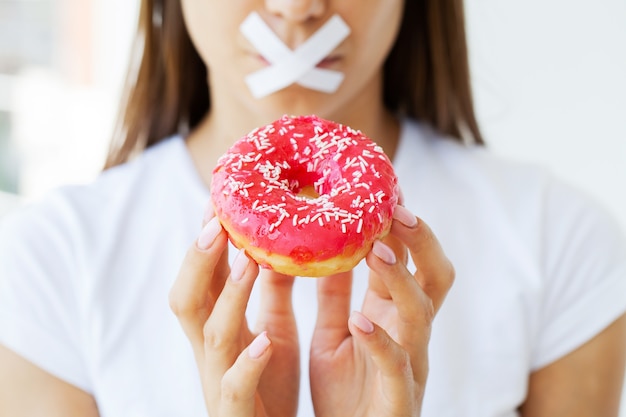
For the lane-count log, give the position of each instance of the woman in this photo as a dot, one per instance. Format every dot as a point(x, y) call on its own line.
point(536, 303)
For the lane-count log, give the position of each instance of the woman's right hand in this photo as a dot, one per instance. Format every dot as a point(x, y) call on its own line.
point(243, 372)
point(375, 363)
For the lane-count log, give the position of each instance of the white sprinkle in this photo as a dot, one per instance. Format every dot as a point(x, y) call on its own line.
point(360, 226)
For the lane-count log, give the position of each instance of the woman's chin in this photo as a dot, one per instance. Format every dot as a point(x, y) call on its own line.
point(297, 100)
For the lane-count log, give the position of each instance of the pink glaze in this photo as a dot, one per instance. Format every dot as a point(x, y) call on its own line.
point(256, 183)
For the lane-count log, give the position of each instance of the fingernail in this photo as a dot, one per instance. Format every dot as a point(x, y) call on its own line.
point(400, 196)
point(362, 322)
point(404, 216)
point(258, 346)
point(209, 233)
point(209, 212)
point(239, 265)
point(384, 252)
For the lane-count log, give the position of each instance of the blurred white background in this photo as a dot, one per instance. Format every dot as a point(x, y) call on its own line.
point(550, 83)
point(62, 65)
point(549, 79)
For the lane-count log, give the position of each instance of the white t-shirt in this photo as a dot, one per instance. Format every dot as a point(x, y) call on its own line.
point(86, 275)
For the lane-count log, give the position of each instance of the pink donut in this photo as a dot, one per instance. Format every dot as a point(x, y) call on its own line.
point(305, 196)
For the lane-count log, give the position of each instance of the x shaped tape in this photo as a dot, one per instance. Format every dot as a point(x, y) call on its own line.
point(297, 66)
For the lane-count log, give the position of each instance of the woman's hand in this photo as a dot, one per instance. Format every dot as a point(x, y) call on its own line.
point(375, 363)
point(243, 372)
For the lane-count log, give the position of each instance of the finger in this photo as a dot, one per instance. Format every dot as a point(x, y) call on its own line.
point(223, 329)
point(415, 309)
point(402, 255)
point(240, 382)
point(401, 199)
point(209, 212)
point(191, 298)
point(276, 316)
point(224, 326)
point(276, 308)
point(333, 296)
point(398, 247)
point(435, 272)
point(376, 283)
point(396, 368)
point(216, 288)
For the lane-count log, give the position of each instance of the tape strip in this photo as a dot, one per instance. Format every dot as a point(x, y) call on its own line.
point(274, 50)
point(298, 66)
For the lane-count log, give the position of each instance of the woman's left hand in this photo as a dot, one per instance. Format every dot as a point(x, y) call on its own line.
point(375, 363)
point(244, 371)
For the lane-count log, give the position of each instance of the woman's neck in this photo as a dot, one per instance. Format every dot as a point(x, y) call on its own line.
point(227, 123)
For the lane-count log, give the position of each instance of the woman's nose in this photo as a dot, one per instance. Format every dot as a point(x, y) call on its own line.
point(296, 10)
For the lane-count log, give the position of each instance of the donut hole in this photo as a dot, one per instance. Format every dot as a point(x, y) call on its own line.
point(302, 183)
point(308, 192)
point(309, 184)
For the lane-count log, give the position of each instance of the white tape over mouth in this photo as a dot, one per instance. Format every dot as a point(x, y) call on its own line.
point(297, 66)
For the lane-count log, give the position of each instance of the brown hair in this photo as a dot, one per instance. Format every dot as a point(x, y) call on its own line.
point(426, 76)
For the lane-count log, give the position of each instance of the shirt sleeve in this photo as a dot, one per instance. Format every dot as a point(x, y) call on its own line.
point(584, 259)
point(39, 304)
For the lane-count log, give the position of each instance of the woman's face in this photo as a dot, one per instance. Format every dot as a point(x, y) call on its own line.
point(213, 26)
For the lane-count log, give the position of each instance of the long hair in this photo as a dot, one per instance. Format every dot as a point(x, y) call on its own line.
point(426, 76)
